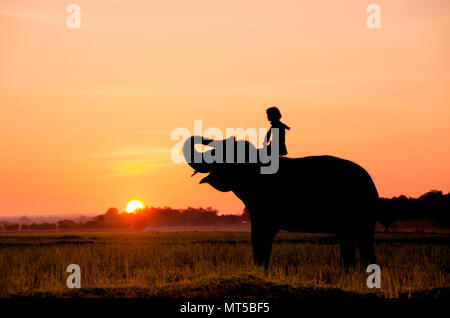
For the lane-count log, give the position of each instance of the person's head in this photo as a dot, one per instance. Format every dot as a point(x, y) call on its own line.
point(273, 114)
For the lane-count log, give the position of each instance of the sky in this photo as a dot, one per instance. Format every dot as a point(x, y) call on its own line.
point(86, 114)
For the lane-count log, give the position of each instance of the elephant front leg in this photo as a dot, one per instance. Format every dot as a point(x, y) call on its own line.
point(262, 239)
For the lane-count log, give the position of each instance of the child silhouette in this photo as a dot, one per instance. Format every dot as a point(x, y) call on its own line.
point(274, 116)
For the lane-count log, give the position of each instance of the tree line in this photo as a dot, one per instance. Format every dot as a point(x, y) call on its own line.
point(433, 205)
point(149, 216)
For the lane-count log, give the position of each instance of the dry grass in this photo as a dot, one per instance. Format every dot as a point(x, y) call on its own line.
point(215, 264)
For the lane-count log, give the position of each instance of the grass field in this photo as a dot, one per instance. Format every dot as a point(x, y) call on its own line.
point(216, 264)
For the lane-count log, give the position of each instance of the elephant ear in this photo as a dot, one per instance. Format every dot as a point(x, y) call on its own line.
point(218, 143)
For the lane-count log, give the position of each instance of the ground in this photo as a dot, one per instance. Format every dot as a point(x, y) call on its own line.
point(216, 265)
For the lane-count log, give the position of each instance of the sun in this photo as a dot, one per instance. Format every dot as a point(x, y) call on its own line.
point(133, 205)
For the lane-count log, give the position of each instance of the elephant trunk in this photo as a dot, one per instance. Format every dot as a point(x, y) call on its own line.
point(195, 158)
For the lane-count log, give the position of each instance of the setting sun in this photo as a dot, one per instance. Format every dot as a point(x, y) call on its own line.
point(134, 205)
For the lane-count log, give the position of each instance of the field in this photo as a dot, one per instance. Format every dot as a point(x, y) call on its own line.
point(216, 264)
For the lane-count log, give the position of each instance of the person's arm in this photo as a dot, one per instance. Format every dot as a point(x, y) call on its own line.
point(266, 140)
point(286, 126)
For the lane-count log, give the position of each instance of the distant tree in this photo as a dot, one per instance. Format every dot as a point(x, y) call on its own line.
point(92, 224)
point(433, 205)
point(24, 220)
point(68, 224)
point(432, 195)
point(24, 227)
point(82, 219)
point(12, 227)
point(245, 216)
point(43, 226)
point(112, 212)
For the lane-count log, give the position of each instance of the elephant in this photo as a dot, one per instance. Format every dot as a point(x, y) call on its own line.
point(314, 194)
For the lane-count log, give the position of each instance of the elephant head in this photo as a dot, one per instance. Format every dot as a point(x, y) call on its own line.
point(228, 162)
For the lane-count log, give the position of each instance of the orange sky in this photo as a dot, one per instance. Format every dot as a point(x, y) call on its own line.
point(86, 115)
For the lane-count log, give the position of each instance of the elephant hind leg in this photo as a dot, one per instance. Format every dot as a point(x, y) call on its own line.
point(348, 251)
point(348, 248)
point(367, 252)
point(365, 244)
point(262, 239)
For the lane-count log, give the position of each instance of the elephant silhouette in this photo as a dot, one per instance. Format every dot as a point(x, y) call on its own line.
point(316, 194)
